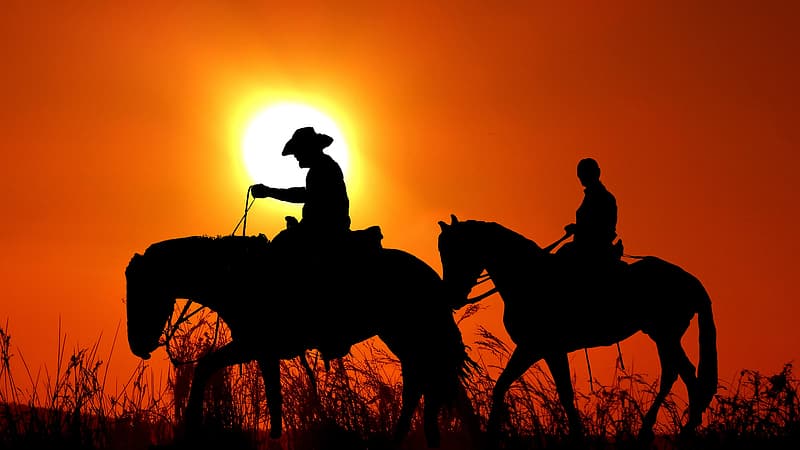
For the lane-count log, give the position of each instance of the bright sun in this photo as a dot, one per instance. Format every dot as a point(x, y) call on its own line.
point(269, 130)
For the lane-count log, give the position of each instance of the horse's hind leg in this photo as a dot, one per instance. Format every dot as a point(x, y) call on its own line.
point(414, 386)
point(559, 368)
point(430, 418)
point(688, 374)
point(669, 356)
point(412, 392)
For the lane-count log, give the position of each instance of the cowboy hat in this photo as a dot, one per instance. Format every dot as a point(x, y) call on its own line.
point(306, 139)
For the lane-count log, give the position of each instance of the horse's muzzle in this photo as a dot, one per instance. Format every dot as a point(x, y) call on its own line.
point(141, 353)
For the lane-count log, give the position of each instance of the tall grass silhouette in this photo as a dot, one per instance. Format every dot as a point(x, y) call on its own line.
point(355, 404)
point(71, 407)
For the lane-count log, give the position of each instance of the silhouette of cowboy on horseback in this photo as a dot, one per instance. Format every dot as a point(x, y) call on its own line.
point(321, 244)
point(594, 230)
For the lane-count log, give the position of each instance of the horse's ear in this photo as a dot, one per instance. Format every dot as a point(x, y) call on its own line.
point(135, 261)
point(453, 219)
point(442, 225)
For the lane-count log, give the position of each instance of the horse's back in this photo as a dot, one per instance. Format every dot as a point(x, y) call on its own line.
point(403, 261)
point(665, 290)
point(653, 270)
point(401, 274)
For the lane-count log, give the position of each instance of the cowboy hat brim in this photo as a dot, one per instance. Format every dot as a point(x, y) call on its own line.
point(306, 139)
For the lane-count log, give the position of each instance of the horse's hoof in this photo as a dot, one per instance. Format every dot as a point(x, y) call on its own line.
point(191, 428)
point(576, 429)
point(577, 438)
point(646, 436)
point(496, 416)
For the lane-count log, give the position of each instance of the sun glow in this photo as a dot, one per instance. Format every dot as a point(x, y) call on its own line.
point(268, 131)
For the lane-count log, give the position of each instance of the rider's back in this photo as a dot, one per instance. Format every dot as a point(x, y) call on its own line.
point(327, 205)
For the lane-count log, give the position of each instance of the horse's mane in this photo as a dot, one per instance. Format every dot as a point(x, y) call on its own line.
point(207, 247)
point(512, 238)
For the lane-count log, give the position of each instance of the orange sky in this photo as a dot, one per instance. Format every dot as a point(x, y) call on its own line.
point(119, 128)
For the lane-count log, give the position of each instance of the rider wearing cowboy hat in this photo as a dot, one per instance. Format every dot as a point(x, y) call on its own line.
point(326, 205)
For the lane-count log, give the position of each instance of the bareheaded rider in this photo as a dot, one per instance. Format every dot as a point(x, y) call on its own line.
point(595, 224)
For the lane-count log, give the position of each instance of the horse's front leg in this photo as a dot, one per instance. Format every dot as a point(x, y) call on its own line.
point(521, 360)
point(225, 356)
point(271, 372)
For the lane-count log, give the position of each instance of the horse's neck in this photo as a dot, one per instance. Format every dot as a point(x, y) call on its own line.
point(192, 279)
point(504, 244)
point(507, 251)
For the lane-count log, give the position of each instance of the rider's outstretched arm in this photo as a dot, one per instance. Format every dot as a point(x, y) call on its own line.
point(291, 195)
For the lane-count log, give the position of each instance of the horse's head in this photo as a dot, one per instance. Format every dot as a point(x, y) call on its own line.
point(462, 262)
point(148, 306)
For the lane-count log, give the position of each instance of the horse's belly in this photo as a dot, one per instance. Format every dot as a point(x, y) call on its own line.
point(551, 332)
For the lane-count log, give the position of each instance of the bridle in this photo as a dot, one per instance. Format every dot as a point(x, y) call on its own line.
point(482, 278)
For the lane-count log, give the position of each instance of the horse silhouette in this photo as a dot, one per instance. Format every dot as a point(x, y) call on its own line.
point(275, 313)
point(550, 311)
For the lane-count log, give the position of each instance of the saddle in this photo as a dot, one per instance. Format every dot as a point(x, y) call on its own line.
point(324, 253)
point(601, 267)
point(368, 239)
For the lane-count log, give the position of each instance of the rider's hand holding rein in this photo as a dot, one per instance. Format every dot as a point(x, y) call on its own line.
point(261, 191)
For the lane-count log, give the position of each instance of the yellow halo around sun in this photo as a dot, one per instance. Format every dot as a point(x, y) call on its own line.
point(268, 131)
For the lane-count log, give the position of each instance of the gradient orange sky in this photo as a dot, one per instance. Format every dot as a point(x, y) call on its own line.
point(121, 126)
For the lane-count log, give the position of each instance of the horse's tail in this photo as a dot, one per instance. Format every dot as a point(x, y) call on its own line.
point(459, 367)
point(456, 363)
point(707, 366)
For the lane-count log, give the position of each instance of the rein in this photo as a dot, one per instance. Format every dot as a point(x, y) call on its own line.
point(170, 329)
point(480, 280)
point(243, 221)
